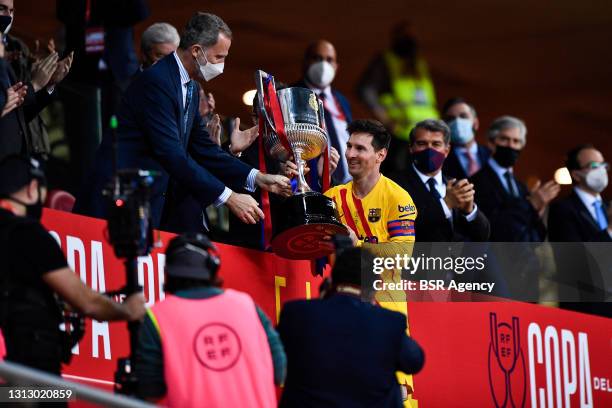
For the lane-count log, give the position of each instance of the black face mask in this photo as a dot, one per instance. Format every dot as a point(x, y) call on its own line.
point(33, 211)
point(5, 21)
point(405, 47)
point(428, 160)
point(506, 156)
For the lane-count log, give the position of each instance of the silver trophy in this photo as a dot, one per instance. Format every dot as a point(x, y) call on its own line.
point(307, 216)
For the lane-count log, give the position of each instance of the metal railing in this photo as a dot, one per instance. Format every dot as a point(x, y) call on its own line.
point(18, 375)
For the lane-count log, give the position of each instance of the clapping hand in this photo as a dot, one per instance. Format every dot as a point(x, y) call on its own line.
point(43, 70)
point(62, 69)
point(207, 103)
point(214, 129)
point(460, 195)
point(15, 97)
point(542, 194)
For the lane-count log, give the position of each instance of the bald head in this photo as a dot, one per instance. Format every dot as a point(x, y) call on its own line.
point(320, 50)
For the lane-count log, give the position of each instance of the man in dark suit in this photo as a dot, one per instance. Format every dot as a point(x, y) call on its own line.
point(446, 209)
point(320, 66)
point(466, 156)
point(342, 351)
point(513, 211)
point(161, 129)
point(582, 216)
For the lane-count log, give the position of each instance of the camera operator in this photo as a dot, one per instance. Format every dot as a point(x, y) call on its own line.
point(202, 344)
point(34, 275)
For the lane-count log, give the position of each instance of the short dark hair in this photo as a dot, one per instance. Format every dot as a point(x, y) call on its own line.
point(571, 162)
point(455, 101)
point(203, 29)
point(380, 136)
point(432, 125)
point(349, 264)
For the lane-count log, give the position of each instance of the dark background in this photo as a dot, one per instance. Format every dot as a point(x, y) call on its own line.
point(547, 62)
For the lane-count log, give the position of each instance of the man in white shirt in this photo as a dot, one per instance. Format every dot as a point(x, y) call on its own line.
point(583, 216)
point(319, 70)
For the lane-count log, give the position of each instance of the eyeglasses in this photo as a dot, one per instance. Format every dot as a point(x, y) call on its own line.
point(596, 165)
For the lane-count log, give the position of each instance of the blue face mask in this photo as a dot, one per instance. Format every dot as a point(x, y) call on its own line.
point(462, 131)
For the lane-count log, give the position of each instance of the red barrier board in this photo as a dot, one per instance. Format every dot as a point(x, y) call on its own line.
point(270, 280)
point(482, 354)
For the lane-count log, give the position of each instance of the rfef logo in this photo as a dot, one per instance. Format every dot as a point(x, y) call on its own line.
point(507, 372)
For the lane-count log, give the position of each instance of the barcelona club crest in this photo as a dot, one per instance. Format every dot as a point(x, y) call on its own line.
point(374, 214)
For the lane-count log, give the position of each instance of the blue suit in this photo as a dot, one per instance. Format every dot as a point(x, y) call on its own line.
point(452, 167)
point(342, 352)
point(151, 136)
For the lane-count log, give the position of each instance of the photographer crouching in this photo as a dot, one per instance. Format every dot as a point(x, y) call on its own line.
point(35, 278)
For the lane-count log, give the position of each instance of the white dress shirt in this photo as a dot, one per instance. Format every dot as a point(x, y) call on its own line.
point(441, 188)
point(588, 200)
point(501, 171)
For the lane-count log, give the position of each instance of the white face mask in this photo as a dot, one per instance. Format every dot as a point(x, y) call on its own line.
point(321, 74)
point(462, 131)
point(597, 179)
point(210, 71)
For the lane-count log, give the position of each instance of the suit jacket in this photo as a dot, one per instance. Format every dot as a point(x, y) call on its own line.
point(452, 165)
point(150, 136)
point(342, 352)
point(431, 224)
point(570, 221)
point(14, 126)
point(329, 122)
point(512, 219)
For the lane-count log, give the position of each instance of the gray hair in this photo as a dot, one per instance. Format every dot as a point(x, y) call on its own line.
point(507, 122)
point(432, 125)
point(159, 33)
point(203, 29)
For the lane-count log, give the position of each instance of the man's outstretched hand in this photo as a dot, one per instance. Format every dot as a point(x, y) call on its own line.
point(274, 183)
point(245, 208)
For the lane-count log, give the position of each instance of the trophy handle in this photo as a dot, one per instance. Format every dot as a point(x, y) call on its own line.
point(259, 83)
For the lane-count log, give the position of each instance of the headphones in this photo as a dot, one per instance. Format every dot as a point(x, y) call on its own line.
point(199, 243)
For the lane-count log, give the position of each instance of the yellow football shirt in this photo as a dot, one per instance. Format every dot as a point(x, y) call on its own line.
point(386, 214)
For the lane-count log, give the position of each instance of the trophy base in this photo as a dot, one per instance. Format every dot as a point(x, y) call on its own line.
point(305, 220)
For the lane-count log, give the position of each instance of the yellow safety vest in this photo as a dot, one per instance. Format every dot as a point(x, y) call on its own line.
point(411, 99)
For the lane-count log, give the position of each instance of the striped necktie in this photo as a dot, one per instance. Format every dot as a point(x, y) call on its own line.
point(188, 100)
